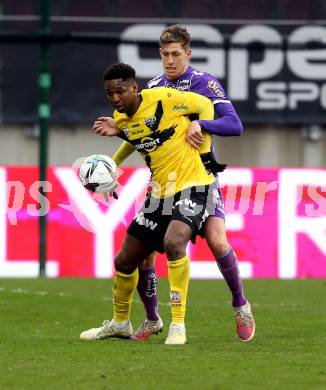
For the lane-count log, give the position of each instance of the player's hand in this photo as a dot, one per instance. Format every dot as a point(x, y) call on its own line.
point(194, 135)
point(105, 125)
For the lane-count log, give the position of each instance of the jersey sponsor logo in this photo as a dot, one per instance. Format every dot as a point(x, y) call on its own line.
point(168, 85)
point(148, 144)
point(147, 223)
point(197, 73)
point(137, 132)
point(151, 122)
point(185, 87)
point(181, 85)
point(180, 107)
point(175, 297)
point(212, 84)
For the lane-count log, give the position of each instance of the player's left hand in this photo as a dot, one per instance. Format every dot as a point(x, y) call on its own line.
point(194, 135)
point(105, 125)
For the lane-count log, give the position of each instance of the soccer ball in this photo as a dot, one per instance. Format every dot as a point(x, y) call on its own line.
point(98, 173)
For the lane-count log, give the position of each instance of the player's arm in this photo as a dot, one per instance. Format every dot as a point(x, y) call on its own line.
point(226, 122)
point(106, 126)
point(125, 150)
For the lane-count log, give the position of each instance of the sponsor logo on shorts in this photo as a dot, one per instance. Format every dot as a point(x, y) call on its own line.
point(188, 219)
point(142, 221)
point(188, 203)
point(175, 297)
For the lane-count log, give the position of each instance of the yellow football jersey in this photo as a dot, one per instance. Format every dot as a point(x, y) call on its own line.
point(126, 149)
point(158, 132)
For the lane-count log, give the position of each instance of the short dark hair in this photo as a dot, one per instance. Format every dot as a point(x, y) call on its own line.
point(175, 33)
point(119, 71)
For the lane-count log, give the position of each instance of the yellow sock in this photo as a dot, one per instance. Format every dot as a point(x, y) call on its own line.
point(179, 274)
point(123, 290)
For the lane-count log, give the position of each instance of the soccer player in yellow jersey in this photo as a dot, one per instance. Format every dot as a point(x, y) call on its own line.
point(156, 123)
point(175, 53)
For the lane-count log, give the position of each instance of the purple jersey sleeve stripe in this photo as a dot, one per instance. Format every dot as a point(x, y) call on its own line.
point(221, 101)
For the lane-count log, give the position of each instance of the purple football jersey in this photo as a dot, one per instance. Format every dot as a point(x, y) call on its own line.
point(194, 81)
point(227, 122)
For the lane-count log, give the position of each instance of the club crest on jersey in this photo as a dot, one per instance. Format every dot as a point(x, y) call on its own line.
point(126, 131)
point(175, 297)
point(150, 122)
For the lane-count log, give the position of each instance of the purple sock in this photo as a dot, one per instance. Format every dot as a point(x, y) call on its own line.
point(147, 290)
point(228, 265)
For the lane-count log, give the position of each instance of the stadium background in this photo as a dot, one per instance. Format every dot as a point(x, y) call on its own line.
point(271, 60)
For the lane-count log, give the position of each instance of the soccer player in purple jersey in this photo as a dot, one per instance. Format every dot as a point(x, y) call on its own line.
point(175, 52)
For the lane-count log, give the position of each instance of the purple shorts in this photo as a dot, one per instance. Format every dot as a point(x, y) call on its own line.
point(216, 208)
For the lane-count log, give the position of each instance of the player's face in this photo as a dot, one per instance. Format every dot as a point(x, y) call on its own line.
point(175, 59)
point(122, 94)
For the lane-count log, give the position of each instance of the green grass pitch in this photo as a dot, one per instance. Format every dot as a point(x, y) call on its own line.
point(41, 320)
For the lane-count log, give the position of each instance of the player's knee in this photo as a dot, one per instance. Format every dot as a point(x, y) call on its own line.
point(122, 264)
point(218, 243)
point(174, 247)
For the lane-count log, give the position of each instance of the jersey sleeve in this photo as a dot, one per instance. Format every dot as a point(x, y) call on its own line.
point(125, 150)
point(226, 122)
point(210, 87)
point(187, 103)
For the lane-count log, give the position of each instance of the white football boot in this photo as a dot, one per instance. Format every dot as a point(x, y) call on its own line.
point(176, 335)
point(108, 329)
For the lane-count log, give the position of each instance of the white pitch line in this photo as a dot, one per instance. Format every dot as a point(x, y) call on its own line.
point(61, 294)
point(24, 291)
